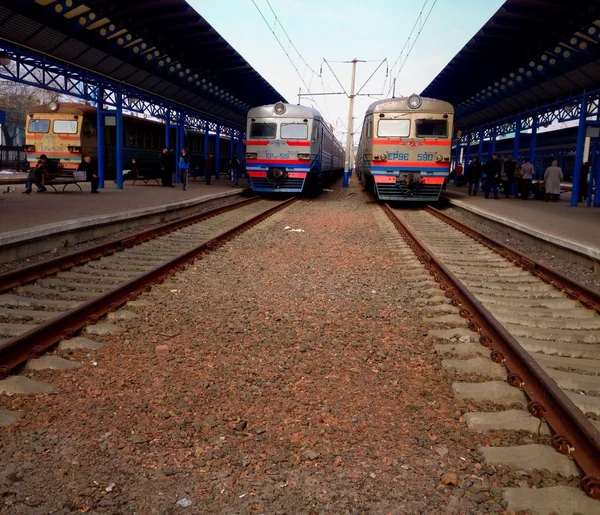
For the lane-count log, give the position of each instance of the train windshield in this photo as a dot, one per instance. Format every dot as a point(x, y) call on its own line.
point(432, 128)
point(39, 125)
point(397, 128)
point(294, 131)
point(263, 130)
point(64, 127)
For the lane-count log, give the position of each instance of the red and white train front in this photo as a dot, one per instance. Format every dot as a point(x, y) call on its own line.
point(279, 157)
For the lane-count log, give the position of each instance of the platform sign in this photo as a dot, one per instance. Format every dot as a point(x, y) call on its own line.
point(110, 121)
point(2, 117)
point(592, 132)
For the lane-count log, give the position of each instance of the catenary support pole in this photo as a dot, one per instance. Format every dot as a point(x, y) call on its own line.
point(119, 138)
point(517, 139)
point(100, 135)
point(532, 145)
point(579, 150)
point(349, 138)
point(468, 152)
point(480, 148)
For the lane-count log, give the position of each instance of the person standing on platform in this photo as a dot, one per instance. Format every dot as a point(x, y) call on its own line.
point(91, 172)
point(583, 182)
point(509, 169)
point(209, 167)
point(527, 174)
point(184, 167)
point(458, 172)
point(552, 177)
point(166, 168)
point(473, 176)
point(234, 167)
point(493, 171)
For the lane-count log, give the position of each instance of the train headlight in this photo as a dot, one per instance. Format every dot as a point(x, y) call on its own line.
point(29, 148)
point(53, 106)
point(251, 155)
point(383, 157)
point(414, 101)
point(439, 158)
point(279, 108)
point(304, 157)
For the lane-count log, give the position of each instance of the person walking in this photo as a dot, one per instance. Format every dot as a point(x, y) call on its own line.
point(473, 176)
point(458, 172)
point(493, 171)
point(166, 168)
point(184, 167)
point(583, 182)
point(234, 166)
point(527, 173)
point(552, 177)
point(91, 172)
point(209, 168)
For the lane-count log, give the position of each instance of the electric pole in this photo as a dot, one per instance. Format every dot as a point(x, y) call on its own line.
point(350, 137)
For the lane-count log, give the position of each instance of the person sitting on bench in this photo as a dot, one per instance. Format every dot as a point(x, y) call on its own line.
point(36, 176)
point(90, 171)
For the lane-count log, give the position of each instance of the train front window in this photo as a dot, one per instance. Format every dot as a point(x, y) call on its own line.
point(263, 130)
point(39, 125)
point(393, 128)
point(64, 127)
point(432, 128)
point(294, 131)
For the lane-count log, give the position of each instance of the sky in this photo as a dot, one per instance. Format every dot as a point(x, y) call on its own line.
point(342, 30)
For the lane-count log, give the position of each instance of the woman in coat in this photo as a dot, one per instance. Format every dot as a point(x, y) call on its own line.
point(552, 177)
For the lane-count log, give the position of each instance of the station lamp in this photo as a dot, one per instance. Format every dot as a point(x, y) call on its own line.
point(5, 59)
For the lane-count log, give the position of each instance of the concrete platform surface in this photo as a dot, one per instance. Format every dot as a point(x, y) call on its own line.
point(43, 211)
point(557, 222)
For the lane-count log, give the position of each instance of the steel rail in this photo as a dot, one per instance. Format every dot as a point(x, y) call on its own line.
point(574, 435)
point(34, 342)
point(13, 278)
point(564, 284)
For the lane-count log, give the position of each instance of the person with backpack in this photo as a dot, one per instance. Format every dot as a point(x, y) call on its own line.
point(234, 166)
point(184, 167)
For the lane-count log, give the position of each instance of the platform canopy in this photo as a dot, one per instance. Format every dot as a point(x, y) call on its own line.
point(161, 47)
point(530, 53)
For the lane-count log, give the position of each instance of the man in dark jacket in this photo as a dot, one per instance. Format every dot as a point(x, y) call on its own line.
point(510, 166)
point(473, 176)
point(583, 182)
point(91, 172)
point(493, 171)
point(209, 168)
point(167, 169)
point(36, 175)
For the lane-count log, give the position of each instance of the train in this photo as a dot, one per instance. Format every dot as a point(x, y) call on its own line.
point(290, 149)
point(404, 148)
point(67, 131)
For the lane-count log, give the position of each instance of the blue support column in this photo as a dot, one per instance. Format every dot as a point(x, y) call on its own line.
point(231, 144)
point(579, 150)
point(119, 137)
point(480, 149)
point(492, 144)
point(168, 130)
point(218, 153)
point(595, 178)
point(100, 135)
point(594, 169)
point(517, 140)
point(532, 145)
point(467, 153)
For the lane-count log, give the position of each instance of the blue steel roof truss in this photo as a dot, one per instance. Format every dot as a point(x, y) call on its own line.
point(531, 52)
point(34, 72)
point(166, 39)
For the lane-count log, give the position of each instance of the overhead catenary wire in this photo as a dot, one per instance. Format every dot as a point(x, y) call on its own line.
point(286, 52)
point(408, 41)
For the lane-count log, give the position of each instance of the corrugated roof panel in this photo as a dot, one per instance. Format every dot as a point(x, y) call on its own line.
point(90, 58)
point(70, 49)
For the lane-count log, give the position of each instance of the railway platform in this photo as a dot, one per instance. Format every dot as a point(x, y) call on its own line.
point(556, 223)
point(52, 220)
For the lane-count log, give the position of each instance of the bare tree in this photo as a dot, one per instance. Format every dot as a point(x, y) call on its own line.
point(15, 99)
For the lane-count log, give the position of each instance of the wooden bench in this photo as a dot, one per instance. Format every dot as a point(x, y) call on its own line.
point(64, 178)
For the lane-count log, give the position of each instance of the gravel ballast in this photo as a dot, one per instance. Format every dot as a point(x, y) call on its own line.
point(286, 372)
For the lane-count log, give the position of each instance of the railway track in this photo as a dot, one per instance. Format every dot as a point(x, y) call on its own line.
point(52, 300)
point(538, 341)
